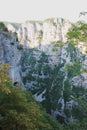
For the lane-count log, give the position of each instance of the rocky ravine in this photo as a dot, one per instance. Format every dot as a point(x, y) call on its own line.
point(42, 61)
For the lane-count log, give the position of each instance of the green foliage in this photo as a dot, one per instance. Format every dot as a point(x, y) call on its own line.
point(40, 72)
point(78, 91)
point(28, 61)
point(19, 111)
point(2, 27)
point(71, 49)
point(67, 91)
point(75, 126)
point(57, 45)
point(4, 79)
point(73, 69)
point(78, 32)
point(56, 87)
point(84, 70)
point(80, 114)
point(53, 84)
point(43, 58)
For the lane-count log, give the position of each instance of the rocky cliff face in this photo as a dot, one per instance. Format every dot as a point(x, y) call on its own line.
point(41, 35)
point(33, 34)
point(42, 61)
point(9, 53)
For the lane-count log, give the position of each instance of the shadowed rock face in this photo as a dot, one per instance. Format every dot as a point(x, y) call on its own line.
point(10, 54)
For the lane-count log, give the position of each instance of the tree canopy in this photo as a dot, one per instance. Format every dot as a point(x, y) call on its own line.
point(78, 32)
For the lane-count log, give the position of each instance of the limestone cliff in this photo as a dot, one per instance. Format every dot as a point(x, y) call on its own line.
point(43, 61)
point(36, 33)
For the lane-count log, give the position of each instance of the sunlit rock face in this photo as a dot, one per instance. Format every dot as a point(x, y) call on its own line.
point(12, 27)
point(36, 33)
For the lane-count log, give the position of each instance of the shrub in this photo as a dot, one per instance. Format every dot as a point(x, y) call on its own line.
point(57, 45)
point(20, 47)
point(2, 27)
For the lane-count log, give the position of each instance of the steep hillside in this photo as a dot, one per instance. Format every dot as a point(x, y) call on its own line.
point(44, 61)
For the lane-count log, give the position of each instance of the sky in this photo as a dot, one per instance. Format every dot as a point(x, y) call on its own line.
point(23, 10)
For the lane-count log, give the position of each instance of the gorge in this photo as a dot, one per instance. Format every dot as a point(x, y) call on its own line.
point(44, 61)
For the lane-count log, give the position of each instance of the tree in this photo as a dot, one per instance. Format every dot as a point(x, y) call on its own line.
point(4, 79)
point(18, 109)
point(80, 114)
point(78, 32)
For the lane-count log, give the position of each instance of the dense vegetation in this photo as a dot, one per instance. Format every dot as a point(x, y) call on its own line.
point(18, 109)
point(78, 32)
